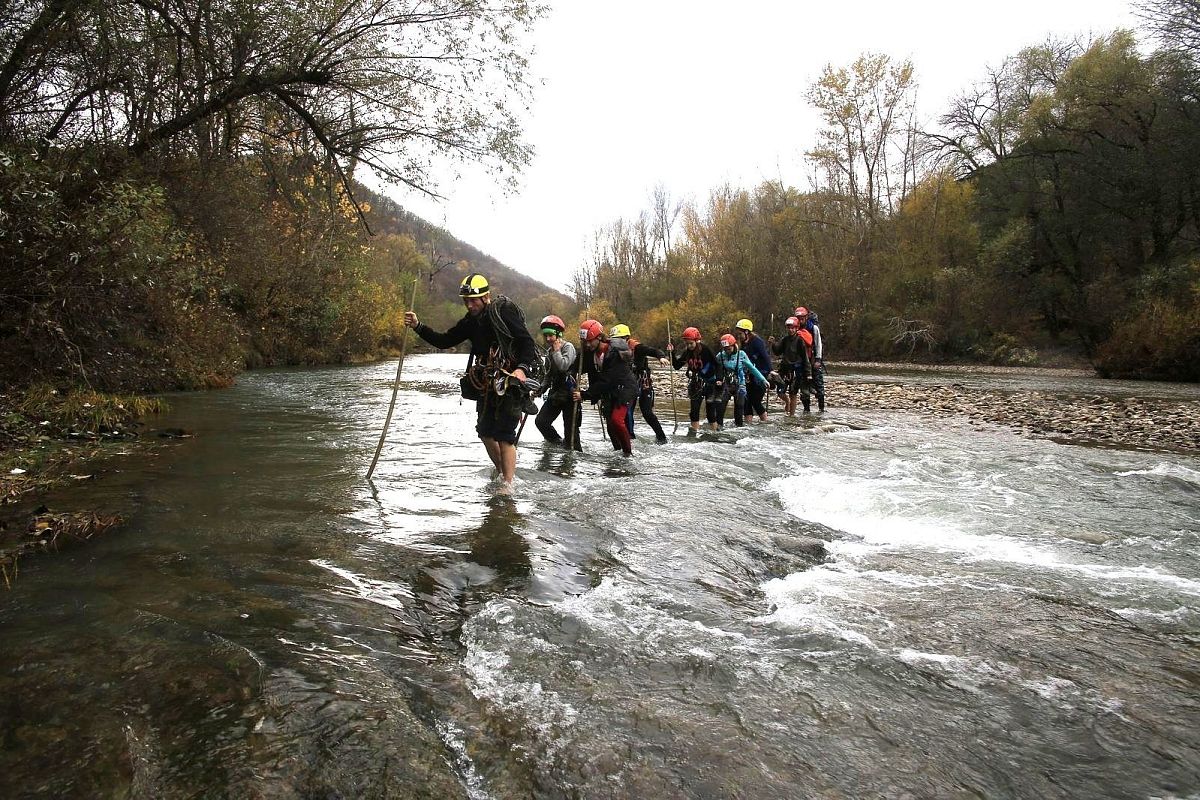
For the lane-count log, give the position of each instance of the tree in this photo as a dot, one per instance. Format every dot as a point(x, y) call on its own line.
point(1106, 174)
point(984, 122)
point(862, 106)
point(1175, 23)
point(386, 84)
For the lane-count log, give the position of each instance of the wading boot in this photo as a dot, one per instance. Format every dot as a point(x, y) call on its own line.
point(807, 405)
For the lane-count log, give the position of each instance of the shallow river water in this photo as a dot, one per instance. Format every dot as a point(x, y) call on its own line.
point(996, 616)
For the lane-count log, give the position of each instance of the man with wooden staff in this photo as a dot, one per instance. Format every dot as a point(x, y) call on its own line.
point(502, 356)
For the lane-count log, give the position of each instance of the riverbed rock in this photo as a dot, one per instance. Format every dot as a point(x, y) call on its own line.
point(803, 546)
point(1143, 423)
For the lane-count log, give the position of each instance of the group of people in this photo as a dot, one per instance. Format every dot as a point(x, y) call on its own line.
point(505, 370)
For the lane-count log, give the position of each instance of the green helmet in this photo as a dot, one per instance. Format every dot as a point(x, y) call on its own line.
point(474, 285)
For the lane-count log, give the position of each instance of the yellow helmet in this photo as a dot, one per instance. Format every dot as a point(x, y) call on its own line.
point(619, 330)
point(474, 285)
point(745, 325)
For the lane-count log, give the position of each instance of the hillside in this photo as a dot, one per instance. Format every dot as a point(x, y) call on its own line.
point(451, 259)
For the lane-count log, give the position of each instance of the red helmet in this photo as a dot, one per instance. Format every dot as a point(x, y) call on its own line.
point(692, 334)
point(728, 341)
point(551, 321)
point(792, 322)
point(801, 311)
point(590, 330)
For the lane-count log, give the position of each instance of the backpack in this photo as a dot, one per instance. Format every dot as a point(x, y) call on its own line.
point(537, 370)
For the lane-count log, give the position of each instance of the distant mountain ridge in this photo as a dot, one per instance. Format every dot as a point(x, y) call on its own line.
point(448, 254)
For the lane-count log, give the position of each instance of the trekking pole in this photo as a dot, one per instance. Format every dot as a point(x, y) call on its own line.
point(396, 386)
point(671, 378)
point(570, 431)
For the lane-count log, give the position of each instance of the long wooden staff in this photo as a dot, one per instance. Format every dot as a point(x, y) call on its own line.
point(396, 386)
point(671, 378)
point(770, 388)
point(600, 408)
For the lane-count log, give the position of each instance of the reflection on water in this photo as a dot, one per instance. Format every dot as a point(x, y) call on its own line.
point(498, 543)
point(997, 616)
point(557, 461)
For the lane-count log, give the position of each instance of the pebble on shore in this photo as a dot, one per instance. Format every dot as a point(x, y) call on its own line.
point(1141, 423)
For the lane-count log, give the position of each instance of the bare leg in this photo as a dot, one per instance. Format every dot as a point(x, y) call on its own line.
point(493, 451)
point(508, 461)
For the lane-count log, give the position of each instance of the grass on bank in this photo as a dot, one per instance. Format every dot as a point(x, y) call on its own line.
point(44, 429)
point(44, 434)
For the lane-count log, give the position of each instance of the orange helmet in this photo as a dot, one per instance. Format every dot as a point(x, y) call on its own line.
point(590, 330)
point(728, 341)
point(692, 334)
point(552, 321)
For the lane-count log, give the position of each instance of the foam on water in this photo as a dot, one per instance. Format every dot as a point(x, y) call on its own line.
point(1165, 470)
point(452, 736)
point(817, 600)
point(884, 514)
point(389, 594)
point(622, 612)
point(486, 664)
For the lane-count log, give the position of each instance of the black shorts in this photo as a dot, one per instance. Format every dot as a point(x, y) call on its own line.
point(498, 417)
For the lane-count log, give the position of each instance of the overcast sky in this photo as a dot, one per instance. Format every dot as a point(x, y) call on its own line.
point(693, 94)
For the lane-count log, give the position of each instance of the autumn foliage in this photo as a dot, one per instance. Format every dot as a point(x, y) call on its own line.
point(1053, 210)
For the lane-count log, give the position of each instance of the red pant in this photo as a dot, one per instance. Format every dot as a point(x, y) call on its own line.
point(617, 429)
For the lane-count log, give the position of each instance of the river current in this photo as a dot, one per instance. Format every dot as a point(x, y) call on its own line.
point(996, 615)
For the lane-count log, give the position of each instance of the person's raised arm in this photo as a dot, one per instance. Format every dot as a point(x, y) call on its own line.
point(458, 333)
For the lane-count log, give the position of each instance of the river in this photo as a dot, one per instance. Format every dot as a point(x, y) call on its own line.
point(997, 615)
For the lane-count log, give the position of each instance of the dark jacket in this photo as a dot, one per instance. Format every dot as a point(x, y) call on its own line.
point(587, 363)
point(482, 335)
point(641, 362)
point(756, 349)
point(614, 381)
point(793, 354)
point(700, 362)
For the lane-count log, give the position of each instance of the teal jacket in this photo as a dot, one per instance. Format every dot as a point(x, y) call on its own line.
point(737, 365)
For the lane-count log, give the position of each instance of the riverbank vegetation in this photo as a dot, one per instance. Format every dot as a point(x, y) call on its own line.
point(1053, 207)
point(177, 180)
point(178, 202)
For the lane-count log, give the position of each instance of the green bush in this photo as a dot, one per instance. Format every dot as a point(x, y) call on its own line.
point(102, 287)
point(1004, 349)
point(1159, 336)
